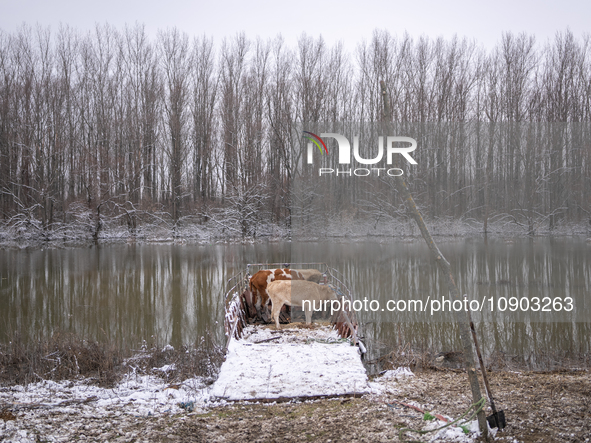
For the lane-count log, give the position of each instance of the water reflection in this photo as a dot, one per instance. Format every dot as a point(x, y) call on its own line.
point(124, 293)
point(173, 293)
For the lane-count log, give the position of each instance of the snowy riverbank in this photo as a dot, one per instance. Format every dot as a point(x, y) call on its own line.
point(141, 409)
point(541, 407)
point(146, 408)
point(214, 231)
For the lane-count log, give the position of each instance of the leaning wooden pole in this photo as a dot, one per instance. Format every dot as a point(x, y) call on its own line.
point(445, 268)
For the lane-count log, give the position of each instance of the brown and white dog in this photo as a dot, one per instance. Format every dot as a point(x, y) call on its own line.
point(259, 282)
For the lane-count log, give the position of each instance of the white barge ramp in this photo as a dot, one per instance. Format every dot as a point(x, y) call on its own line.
point(298, 362)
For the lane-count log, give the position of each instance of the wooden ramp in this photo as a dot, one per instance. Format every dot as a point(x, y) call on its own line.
point(294, 363)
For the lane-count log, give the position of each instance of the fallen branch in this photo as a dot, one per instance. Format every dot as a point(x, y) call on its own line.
point(268, 339)
point(19, 406)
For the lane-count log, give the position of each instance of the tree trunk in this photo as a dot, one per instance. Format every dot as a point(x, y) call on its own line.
point(445, 268)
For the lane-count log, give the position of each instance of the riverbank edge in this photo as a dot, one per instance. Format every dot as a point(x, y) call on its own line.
point(334, 230)
point(67, 356)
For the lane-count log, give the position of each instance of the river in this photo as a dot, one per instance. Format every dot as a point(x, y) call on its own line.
point(172, 293)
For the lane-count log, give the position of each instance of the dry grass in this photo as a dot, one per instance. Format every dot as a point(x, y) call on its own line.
point(63, 356)
point(204, 360)
point(404, 356)
point(498, 361)
point(66, 356)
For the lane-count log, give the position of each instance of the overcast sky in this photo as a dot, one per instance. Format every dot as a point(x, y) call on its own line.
point(344, 20)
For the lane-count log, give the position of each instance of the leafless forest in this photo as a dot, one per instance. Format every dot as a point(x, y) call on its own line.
point(115, 132)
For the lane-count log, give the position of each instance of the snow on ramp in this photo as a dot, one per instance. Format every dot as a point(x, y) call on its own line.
point(293, 363)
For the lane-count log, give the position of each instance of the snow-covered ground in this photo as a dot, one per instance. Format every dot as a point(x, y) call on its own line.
point(296, 363)
point(140, 396)
point(59, 410)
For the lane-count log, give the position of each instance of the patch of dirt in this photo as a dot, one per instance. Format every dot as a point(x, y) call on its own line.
point(538, 407)
point(7, 415)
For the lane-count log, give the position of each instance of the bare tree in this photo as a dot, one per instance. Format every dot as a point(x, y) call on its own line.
point(205, 83)
point(176, 61)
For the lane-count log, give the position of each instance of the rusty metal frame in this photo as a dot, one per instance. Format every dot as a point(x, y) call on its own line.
point(234, 318)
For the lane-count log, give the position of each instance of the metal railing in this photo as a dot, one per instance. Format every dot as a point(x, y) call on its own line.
point(234, 310)
point(253, 268)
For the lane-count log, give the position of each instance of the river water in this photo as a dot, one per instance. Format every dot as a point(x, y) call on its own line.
point(173, 293)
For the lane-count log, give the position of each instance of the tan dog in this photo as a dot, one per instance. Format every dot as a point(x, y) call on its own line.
point(300, 293)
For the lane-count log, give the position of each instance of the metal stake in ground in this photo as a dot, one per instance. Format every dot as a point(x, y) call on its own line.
point(497, 419)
